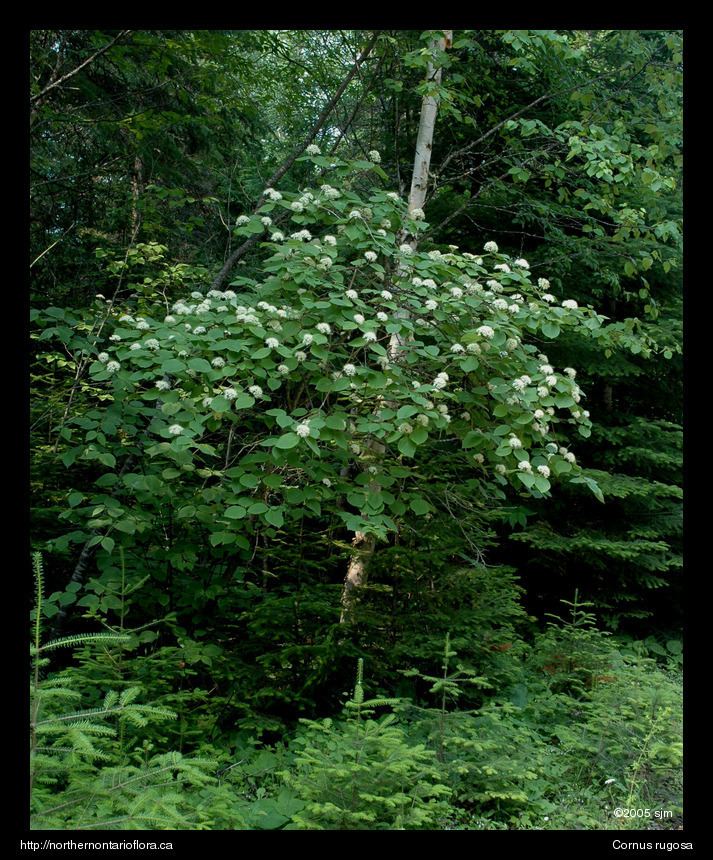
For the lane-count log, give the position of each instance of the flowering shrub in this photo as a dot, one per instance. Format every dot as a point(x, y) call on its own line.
point(324, 378)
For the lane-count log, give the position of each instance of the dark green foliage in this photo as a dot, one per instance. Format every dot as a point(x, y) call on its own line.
point(193, 643)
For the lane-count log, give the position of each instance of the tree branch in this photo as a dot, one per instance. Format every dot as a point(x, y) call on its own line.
point(290, 160)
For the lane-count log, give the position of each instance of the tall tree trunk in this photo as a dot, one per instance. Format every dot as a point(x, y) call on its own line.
point(363, 544)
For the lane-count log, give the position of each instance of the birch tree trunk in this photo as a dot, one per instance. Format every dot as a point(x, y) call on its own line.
point(363, 544)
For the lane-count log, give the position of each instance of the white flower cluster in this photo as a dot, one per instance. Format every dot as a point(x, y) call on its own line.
point(523, 264)
point(374, 156)
point(457, 347)
point(302, 430)
point(313, 149)
point(112, 366)
point(406, 249)
point(255, 390)
point(370, 256)
point(271, 194)
point(514, 442)
point(441, 380)
point(323, 328)
point(163, 385)
point(175, 429)
point(329, 192)
point(417, 214)
point(485, 331)
point(570, 304)
point(241, 219)
point(272, 343)
point(502, 267)
point(370, 336)
point(301, 236)
point(521, 382)
point(491, 247)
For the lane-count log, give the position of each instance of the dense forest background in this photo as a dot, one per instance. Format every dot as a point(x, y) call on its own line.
point(285, 580)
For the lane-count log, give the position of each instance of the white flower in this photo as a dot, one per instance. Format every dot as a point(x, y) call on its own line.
point(548, 298)
point(512, 343)
point(358, 319)
point(240, 220)
point(255, 390)
point(609, 781)
point(302, 430)
point(370, 256)
point(474, 348)
point(277, 236)
point(514, 442)
point(283, 369)
point(500, 305)
point(457, 347)
point(329, 192)
point(169, 320)
point(330, 240)
point(301, 236)
point(266, 221)
point(544, 471)
point(272, 194)
point(326, 482)
point(115, 337)
point(323, 328)
point(456, 292)
point(218, 362)
point(479, 459)
point(431, 304)
point(392, 195)
point(417, 214)
point(386, 295)
point(524, 466)
point(542, 391)
point(570, 304)
point(312, 149)
point(523, 264)
point(152, 343)
point(539, 414)
point(422, 419)
point(142, 325)
point(569, 457)
point(545, 368)
point(349, 370)
point(543, 284)
point(135, 346)
point(374, 156)
point(207, 401)
point(175, 429)
point(352, 294)
point(354, 214)
point(230, 393)
point(502, 267)
point(571, 372)
point(440, 381)
point(370, 336)
point(406, 250)
point(112, 366)
point(307, 338)
point(435, 255)
point(300, 356)
point(103, 357)
point(500, 469)
point(126, 318)
point(405, 428)
point(163, 385)
point(550, 380)
point(199, 329)
point(485, 331)
point(513, 308)
point(382, 317)
point(491, 247)
point(272, 343)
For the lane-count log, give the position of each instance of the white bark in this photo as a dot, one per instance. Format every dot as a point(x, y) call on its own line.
point(364, 544)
